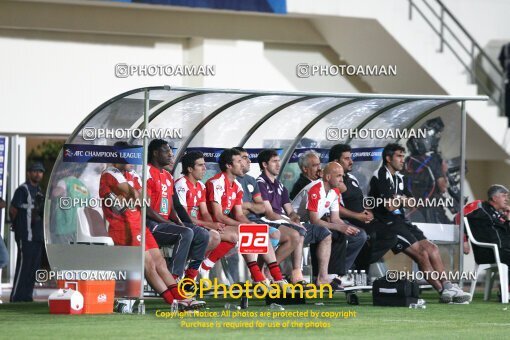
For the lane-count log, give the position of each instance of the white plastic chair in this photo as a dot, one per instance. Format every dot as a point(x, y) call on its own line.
point(490, 269)
point(84, 228)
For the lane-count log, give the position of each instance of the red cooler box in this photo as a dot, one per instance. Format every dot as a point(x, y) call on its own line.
point(98, 295)
point(66, 301)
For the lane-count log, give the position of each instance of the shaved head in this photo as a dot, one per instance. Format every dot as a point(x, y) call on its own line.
point(332, 167)
point(333, 175)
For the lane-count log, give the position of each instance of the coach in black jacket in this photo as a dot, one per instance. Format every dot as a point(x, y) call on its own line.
point(490, 223)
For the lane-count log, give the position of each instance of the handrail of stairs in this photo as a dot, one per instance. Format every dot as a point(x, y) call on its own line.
point(467, 51)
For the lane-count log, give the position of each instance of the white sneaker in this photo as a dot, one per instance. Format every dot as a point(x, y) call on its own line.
point(190, 304)
point(455, 295)
point(204, 273)
point(284, 285)
point(332, 276)
point(265, 282)
point(347, 280)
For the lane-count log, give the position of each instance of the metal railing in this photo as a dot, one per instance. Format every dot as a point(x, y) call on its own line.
point(483, 71)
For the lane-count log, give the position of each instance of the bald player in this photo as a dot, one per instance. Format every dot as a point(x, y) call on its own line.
point(319, 203)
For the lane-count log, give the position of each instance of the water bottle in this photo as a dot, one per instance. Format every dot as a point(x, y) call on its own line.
point(358, 279)
point(174, 307)
point(363, 278)
point(417, 306)
point(141, 307)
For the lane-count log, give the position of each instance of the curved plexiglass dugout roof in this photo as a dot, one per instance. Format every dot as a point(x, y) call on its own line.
point(291, 122)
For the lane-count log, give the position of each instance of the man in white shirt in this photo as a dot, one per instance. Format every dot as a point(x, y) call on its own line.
point(318, 203)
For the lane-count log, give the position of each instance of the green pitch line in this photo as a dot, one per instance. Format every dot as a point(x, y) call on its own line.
point(477, 320)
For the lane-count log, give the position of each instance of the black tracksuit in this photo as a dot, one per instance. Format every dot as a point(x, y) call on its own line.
point(490, 226)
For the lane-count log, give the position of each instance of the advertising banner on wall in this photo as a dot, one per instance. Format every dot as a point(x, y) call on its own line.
point(269, 6)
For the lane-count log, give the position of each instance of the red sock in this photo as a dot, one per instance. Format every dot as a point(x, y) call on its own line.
point(275, 271)
point(255, 272)
point(175, 292)
point(167, 296)
point(191, 273)
point(220, 251)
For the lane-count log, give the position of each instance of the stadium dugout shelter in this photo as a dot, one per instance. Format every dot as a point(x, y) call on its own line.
point(213, 119)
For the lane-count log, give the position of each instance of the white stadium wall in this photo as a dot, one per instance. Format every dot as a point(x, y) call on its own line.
point(54, 80)
point(41, 63)
point(57, 68)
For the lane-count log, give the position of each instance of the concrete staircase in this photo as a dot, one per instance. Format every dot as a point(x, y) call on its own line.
point(368, 32)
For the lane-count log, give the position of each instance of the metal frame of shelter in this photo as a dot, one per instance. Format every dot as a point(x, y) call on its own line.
point(296, 114)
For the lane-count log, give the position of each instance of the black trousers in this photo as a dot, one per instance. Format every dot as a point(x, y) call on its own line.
point(27, 263)
point(189, 241)
point(378, 243)
point(484, 255)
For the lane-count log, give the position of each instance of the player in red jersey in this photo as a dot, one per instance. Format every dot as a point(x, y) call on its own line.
point(318, 203)
point(225, 203)
point(121, 184)
point(189, 240)
point(192, 195)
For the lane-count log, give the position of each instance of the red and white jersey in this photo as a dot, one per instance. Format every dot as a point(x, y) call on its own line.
point(220, 190)
point(160, 188)
point(190, 195)
point(110, 179)
point(314, 198)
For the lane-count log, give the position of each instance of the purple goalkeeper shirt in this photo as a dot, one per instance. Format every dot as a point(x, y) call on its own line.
point(275, 193)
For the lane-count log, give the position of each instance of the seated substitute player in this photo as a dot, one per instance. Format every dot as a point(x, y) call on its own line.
point(285, 237)
point(280, 210)
point(192, 195)
point(318, 203)
point(379, 239)
point(310, 166)
point(121, 183)
point(225, 203)
point(179, 209)
point(387, 183)
point(189, 241)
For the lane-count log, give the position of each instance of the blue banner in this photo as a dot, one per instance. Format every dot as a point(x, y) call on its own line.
point(367, 154)
point(212, 155)
point(269, 6)
point(358, 154)
point(82, 153)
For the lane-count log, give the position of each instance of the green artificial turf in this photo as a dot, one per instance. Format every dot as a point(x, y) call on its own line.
point(478, 320)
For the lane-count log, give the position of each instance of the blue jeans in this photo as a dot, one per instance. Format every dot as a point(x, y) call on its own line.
point(4, 255)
